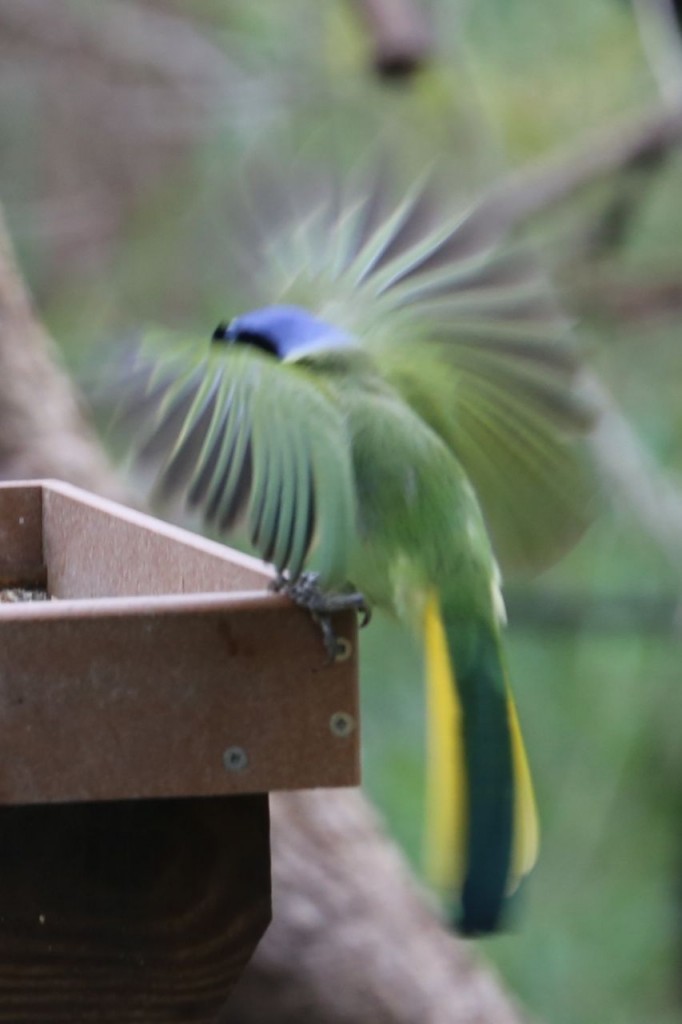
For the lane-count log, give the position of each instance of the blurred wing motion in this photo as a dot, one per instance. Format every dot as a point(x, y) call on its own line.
point(465, 326)
point(245, 439)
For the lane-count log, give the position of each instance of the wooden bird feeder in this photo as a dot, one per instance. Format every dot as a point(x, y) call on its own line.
point(146, 709)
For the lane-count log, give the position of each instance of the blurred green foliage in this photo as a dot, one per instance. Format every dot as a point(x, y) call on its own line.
point(598, 932)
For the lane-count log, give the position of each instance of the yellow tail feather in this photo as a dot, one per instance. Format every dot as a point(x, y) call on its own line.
point(526, 828)
point(446, 793)
point(445, 778)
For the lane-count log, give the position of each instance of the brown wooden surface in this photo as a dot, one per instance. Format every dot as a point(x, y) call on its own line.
point(140, 912)
point(112, 697)
point(97, 548)
point(140, 697)
point(21, 544)
point(401, 32)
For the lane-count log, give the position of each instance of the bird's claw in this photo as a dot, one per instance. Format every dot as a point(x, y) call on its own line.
point(306, 592)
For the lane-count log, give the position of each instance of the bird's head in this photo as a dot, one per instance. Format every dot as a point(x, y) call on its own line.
point(286, 332)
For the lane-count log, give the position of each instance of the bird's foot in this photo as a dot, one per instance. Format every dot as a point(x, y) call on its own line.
point(306, 592)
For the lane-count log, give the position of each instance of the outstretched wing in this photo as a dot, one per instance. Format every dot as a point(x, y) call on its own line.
point(243, 437)
point(509, 422)
point(467, 328)
point(486, 326)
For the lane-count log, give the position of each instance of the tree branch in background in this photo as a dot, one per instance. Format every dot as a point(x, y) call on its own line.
point(628, 297)
point(365, 947)
point(626, 466)
point(352, 940)
point(659, 33)
point(543, 185)
point(125, 92)
point(401, 34)
point(42, 430)
point(629, 470)
point(612, 228)
point(658, 25)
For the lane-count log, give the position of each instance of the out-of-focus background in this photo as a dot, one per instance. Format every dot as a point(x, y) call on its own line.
point(123, 128)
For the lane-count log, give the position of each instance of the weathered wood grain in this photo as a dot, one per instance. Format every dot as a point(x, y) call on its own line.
point(129, 698)
point(165, 668)
point(132, 912)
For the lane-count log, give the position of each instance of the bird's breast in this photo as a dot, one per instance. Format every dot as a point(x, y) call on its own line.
point(418, 520)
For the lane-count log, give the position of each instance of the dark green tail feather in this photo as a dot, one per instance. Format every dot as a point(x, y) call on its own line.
point(490, 777)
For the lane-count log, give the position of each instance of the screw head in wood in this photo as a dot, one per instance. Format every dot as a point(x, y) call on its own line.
point(235, 759)
point(344, 649)
point(342, 724)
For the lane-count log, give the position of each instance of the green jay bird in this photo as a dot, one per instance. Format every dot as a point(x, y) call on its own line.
point(404, 403)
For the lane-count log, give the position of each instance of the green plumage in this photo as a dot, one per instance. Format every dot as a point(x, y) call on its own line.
point(487, 745)
point(387, 461)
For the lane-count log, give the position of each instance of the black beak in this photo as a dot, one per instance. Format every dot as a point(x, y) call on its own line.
point(224, 332)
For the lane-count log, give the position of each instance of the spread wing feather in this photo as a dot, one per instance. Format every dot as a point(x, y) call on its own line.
point(465, 325)
point(244, 437)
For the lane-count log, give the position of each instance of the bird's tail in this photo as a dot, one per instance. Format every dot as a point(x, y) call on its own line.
point(482, 831)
